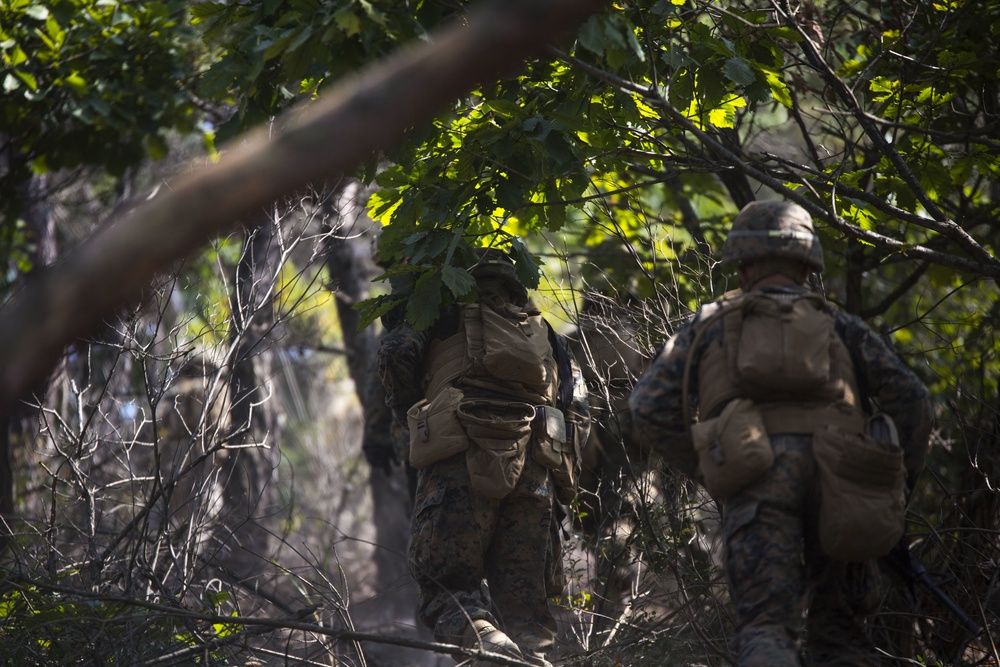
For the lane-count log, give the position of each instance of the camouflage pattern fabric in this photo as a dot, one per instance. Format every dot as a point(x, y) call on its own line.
point(765, 537)
point(764, 525)
point(476, 558)
point(473, 557)
point(400, 363)
point(384, 441)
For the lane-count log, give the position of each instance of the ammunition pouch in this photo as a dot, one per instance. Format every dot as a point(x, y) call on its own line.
point(511, 345)
point(733, 449)
point(555, 447)
point(435, 432)
point(780, 343)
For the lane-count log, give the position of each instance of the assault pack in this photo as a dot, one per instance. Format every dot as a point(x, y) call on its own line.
point(779, 367)
point(496, 389)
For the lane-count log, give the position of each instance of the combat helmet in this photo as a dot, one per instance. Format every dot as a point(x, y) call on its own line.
point(495, 264)
point(772, 229)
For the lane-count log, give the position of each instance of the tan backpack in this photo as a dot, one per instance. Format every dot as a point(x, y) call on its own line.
point(492, 390)
point(778, 351)
point(775, 346)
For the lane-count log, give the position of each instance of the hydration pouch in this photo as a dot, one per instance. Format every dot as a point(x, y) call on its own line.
point(733, 449)
point(862, 506)
point(550, 437)
point(435, 432)
point(499, 431)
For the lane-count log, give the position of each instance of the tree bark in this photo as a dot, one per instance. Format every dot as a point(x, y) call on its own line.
point(41, 236)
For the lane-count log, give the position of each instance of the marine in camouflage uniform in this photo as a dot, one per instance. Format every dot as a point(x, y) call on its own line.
point(384, 440)
point(485, 567)
point(774, 565)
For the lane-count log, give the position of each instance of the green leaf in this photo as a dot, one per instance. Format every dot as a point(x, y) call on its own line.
point(204, 10)
point(510, 195)
point(778, 88)
point(77, 83)
point(459, 281)
point(739, 71)
point(599, 35)
point(39, 12)
point(423, 307)
point(371, 309)
point(536, 128)
point(348, 22)
point(528, 271)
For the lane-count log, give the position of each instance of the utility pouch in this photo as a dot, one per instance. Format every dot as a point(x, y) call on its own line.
point(499, 431)
point(784, 342)
point(550, 437)
point(513, 343)
point(554, 447)
point(435, 433)
point(733, 449)
point(862, 500)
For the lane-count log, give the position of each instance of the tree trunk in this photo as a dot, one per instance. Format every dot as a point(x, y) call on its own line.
point(41, 242)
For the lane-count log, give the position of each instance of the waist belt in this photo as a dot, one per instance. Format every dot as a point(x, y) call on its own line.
point(806, 420)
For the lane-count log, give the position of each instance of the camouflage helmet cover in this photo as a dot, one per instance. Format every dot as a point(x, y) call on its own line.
point(772, 229)
point(495, 264)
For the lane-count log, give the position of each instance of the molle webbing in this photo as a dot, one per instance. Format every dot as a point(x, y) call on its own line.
point(463, 359)
point(445, 362)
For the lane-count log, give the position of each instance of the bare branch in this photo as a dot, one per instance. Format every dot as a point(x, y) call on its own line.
point(328, 137)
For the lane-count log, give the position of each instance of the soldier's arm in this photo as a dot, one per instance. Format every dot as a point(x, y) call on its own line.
point(377, 442)
point(400, 366)
point(894, 388)
point(656, 404)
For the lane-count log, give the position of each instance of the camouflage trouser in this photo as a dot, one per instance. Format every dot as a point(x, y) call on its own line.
point(476, 558)
point(776, 570)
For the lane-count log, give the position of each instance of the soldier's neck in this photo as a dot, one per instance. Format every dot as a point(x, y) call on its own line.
point(773, 280)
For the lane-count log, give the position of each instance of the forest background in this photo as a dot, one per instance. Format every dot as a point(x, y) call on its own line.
point(190, 193)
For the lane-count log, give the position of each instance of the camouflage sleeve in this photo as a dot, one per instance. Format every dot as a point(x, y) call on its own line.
point(656, 403)
point(893, 388)
point(400, 366)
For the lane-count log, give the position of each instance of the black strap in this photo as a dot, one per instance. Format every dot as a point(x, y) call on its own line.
point(561, 353)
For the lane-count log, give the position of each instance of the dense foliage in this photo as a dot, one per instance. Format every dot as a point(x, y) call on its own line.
point(613, 165)
point(92, 83)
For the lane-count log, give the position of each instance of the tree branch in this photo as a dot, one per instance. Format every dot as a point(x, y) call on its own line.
point(330, 136)
point(984, 264)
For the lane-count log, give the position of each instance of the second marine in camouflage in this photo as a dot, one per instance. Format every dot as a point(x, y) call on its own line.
point(775, 562)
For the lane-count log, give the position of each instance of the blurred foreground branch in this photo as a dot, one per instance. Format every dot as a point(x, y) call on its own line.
point(330, 136)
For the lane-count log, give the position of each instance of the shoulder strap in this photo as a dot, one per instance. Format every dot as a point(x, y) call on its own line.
point(728, 301)
point(560, 352)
